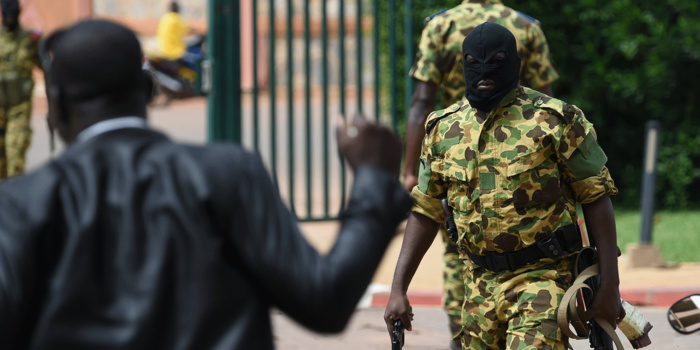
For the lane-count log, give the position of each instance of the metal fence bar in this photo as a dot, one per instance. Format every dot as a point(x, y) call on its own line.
point(375, 44)
point(341, 79)
point(307, 100)
point(290, 105)
point(392, 59)
point(326, 163)
point(256, 115)
point(358, 41)
point(273, 99)
point(408, 53)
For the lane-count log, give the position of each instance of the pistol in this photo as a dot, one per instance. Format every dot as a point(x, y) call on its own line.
point(450, 225)
point(398, 340)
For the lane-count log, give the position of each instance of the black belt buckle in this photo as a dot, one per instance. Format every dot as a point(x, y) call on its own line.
point(550, 246)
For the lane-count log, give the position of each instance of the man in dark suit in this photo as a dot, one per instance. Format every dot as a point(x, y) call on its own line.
point(130, 241)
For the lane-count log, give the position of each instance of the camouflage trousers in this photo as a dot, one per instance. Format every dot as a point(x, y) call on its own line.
point(15, 137)
point(516, 309)
point(453, 284)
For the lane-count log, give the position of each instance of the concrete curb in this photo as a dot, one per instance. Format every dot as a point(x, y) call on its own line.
point(378, 296)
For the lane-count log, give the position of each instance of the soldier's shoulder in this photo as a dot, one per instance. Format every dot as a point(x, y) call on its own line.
point(514, 20)
point(436, 117)
point(565, 111)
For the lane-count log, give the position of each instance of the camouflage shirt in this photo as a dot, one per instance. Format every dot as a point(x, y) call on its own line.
point(439, 57)
point(512, 175)
point(18, 56)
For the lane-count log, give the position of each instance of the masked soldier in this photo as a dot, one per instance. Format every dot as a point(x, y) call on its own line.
point(18, 56)
point(512, 163)
point(438, 66)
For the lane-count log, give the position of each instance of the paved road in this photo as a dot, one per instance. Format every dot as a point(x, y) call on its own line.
point(367, 331)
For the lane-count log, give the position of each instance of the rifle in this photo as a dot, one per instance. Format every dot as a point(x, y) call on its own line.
point(600, 336)
point(598, 339)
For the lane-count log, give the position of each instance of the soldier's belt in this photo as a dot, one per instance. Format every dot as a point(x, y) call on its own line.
point(564, 241)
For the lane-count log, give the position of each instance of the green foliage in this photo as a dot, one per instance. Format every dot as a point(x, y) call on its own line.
point(624, 62)
point(678, 171)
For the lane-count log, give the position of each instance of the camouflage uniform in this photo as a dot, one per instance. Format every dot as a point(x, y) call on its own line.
point(513, 176)
point(439, 60)
point(18, 56)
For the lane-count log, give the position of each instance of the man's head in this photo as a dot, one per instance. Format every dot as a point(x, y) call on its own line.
point(174, 7)
point(491, 65)
point(10, 14)
point(95, 74)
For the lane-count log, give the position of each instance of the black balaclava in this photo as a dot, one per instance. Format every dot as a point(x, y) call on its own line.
point(10, 14)
point(482, 43)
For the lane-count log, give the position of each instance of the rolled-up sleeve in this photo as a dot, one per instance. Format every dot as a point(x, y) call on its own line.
point(431, 185)
point(584, 162)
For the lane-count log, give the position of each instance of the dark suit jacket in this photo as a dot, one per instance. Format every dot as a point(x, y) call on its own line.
point(130, 241)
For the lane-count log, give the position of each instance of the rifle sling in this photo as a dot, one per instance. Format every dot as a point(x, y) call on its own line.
point(572, 309)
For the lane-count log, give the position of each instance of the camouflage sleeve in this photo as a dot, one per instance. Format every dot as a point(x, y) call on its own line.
point(583, 160)
point(538, 69)
point(431, 187)
point(426, 66)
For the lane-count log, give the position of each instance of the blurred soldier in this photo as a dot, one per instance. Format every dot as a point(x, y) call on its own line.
point(439, 67)
point(18, 56)
point(512, 164)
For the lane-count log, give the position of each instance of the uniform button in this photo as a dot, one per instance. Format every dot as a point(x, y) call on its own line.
point(551, 247)
point(454, 108)
point(538, 103)
point(555, 252)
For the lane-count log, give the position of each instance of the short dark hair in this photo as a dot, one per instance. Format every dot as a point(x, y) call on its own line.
point(95, 57)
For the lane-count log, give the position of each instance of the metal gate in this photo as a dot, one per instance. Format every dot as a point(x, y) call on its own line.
point(310, 61)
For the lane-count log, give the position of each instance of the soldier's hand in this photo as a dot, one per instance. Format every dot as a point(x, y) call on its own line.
point(607, 305)
point(365, 144)
point(398, 308)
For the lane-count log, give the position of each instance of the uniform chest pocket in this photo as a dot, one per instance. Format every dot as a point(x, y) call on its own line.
point(533, 179)
point(456, 182)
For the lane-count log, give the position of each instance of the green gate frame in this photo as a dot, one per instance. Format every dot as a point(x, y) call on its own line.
point(225, 98)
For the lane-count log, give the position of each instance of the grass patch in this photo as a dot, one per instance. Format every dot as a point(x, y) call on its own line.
point(677, 233)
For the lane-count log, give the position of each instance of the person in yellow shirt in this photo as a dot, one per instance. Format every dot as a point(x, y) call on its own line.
point(171, 33)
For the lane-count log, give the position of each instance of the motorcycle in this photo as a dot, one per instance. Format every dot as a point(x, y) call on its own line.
point(178, 79)
point(684, 315)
